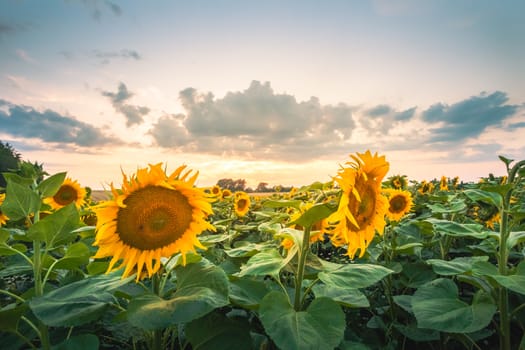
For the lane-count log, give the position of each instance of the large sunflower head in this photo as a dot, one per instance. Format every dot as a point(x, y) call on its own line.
point(399, 204)
point(69, 192)
point(3, 217)
point(153, 216)
point(362, 207)
point(241, 203)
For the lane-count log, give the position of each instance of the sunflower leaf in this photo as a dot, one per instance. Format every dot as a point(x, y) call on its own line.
point(77, 303)
point(50, 186)
point(57, 228)
point(354, 276)
point(201, 288)
point(20, 201)
point(320, 326)
point(437, 306)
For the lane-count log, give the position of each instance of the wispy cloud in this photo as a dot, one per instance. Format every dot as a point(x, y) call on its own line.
point(24, 56)
point(96, 10)
point(50, 126)
point(134, 114)
point(105, 57)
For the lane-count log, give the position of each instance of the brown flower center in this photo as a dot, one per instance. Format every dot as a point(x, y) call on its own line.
point(65, 195)
point(398, 204)
point(154, 217)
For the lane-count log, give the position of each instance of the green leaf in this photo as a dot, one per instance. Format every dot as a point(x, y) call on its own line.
point(436, 305)
point(455, 266)
point(79, 342)
point(268, 262)
point(57, 228)
point(77, 254)
point(4, 235)
point(246, 250)
point(454, 206)
point(10, 316)
point(484, 196)
point(201, 288)
point(15, 178)
point(315, 214)
point(215, 332)
point(247, 292)
point(506, 160)
point(283, 203)
point(417, 334)
point(343, 296)
point(416, 274)
point(6, 250)
point(502, 190)
point(16, 269)
point(77, 303)
point(354, 276)
point(515, 237)
point(50, 186)
point(456, 229)
point(20, 201)
point(515, 283)
point(321, 326)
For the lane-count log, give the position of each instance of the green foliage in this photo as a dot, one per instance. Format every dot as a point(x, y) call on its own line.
point(447, 276)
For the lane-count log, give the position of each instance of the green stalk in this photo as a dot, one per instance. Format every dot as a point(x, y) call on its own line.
point(503, 261)
point(157, 333)
point(300, 268)
point(39, 289)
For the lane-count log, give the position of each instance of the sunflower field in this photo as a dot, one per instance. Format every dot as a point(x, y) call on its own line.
point(366, 261)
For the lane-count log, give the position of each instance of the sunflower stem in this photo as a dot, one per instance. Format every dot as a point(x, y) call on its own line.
point(39, 288)
point(503, 302)
point(300, 268)
point(157, 333)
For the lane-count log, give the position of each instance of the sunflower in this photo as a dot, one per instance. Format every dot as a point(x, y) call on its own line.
point(496, 218)
point(216, 191)
point(443, 184)
point(69, 192)
point(241, 203)
point(3, 217)
point(426, 187)
point(399, 204)
point(153, 216)
point(362, 207)
point(226, 193)
point(398, 182)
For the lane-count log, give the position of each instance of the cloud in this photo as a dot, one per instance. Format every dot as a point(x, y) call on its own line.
point(24, 56)
point(381, 119)
point(257, 123)
point(105, 57)
point(134, 114)
point(50, 126)
point(468, 118)
point(96, 10)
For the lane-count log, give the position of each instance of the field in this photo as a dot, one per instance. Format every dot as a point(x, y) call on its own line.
point(367, 261)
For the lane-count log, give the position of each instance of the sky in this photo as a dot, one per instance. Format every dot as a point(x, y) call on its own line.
point(275, 91)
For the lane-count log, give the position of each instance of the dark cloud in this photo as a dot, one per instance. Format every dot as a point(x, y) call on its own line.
point(50, 126)
point(255, 122)
point(105, 57)
point(133, 114)
point(468, 118)
point(379, 110)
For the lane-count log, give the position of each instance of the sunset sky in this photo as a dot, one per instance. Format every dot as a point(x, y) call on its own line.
point(274, 91)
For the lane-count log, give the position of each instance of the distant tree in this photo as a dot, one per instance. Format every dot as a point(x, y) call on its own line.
point(232, 185)
point(262, 187)
point(9, 160)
